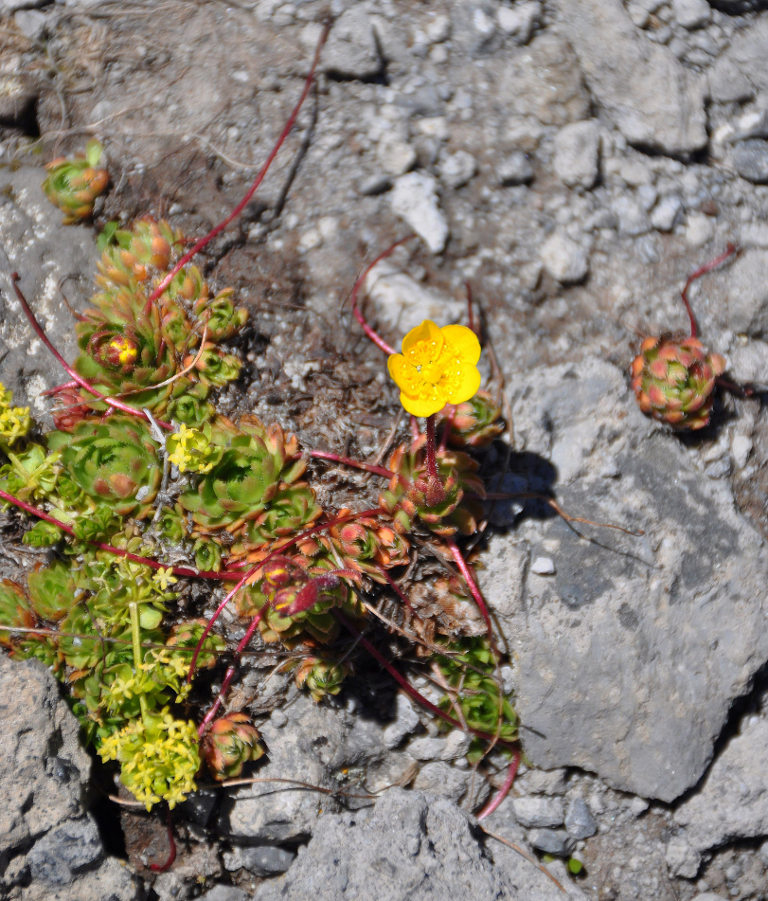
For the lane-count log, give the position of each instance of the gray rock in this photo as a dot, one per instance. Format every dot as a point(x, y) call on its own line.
point(402, 303)
point(727, 83)
point(750, 160)
point(414, 198)
point(64, 850)
point(224, 893)
point(732, 803)
point(412, 848)
point(352, 49)
point(396, 156)
point(519, 21)
point(551, 841)
point(664, 108)
point(514, 169)
point(426, 748)
point(746, 54)
point(269, 813)
point(31, 23)
point(544, 83)
point(667, 213)
point(577, 153)
point(46, 833)
point(681, 858)
point(631, 217)
point(736, 298)
point(579, 822)
point(442, 779)
point(406, 720)
point(456, 169)
point(537, 811)
point(564, 259)
point(9, 6)
point(663, 629)
point(56, 256)
point(262, 860)
point(691, 13)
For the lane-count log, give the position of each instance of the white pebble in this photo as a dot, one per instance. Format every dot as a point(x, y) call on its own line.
point(543, 566)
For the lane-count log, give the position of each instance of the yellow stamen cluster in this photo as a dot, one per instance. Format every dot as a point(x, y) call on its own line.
point(190, 450)
point(437, 367)
point(15, 422)
point(158, 755)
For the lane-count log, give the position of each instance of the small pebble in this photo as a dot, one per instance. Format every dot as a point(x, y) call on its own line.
point(551, 841)
point(682, 859)
point(537, 811)
point(577, 151)
point(750, 160)
point(457, 169)
point(741, 447)
point(396, 156)
point(564, 259)
point(667, 213)
point(691, 13)
point(518, 21)
point(414, 199)
point(543, 566)
point(514, 169)
point(579, 822)
point(631, 217)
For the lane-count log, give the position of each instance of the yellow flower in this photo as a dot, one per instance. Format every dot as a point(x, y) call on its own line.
point(190, 450)
point(164, 577)
point(437, 367)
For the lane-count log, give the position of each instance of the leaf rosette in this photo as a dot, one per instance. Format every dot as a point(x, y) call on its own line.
point(114, 461)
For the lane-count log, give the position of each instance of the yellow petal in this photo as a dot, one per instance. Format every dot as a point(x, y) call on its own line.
point(399, 369)
point(462, 341)
point(467, 385)
point(426, 332)
point(421, 406)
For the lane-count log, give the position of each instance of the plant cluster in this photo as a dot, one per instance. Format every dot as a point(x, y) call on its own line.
point(141, 470)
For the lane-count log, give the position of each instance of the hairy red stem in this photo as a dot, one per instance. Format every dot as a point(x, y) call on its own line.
point(373, 335)
point(730, 250)
point(471, 584)
point(504, 790)
point(164, 867)
point(40, 332)
point(257, 181)
point(230, 673)
point(356, 464)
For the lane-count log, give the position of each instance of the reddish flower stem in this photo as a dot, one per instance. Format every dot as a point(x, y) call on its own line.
point(396, 588)
point(230, 673)
point(164, 867)
point(504, 790)
point(730, 250)
point(198, 246)
point(414, 693)
point(373, 335)
point(432, 472)
point(472, 585)
point(184, 571)
point(40, 332)
point(356, 464)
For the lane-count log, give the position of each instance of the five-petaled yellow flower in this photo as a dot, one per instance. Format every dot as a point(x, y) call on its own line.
point(437, 367)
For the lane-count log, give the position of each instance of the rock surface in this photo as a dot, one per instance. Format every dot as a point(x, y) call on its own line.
point(434, 852)
point(50, 847)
